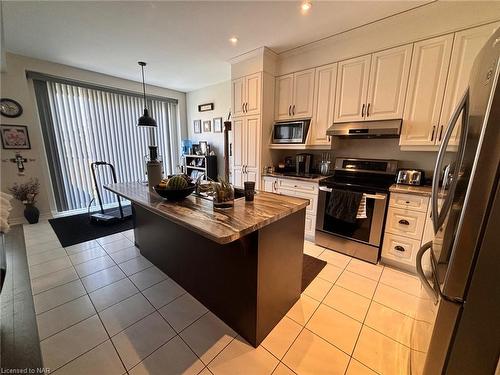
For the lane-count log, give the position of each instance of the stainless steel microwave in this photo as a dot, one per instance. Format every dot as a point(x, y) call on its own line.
point(291, 131)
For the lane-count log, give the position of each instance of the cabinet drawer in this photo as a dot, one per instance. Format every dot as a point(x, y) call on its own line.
point(297, 185)
point(288, 192)
point(409, 201)
point(313, 201)
point(405, 222)
point(400, 248)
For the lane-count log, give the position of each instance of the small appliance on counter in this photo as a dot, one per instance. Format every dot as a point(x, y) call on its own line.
point(414, 177)
point(303, 163)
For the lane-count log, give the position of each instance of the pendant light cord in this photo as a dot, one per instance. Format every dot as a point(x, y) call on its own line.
point(143, 83)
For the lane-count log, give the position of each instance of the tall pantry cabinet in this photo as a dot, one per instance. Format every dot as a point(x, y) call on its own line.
point(251, 125)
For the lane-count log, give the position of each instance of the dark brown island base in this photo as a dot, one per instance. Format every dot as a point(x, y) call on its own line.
point(244, 264)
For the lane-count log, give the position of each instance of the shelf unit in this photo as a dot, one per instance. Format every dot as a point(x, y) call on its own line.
point(207, 166)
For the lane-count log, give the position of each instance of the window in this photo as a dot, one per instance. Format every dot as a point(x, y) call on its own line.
point(82, 124)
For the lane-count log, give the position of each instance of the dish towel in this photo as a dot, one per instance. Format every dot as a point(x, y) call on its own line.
point(362, 208)
point(343, 205)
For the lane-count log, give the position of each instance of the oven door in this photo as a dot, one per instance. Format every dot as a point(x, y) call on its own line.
point(368, 231)
point(290, 132)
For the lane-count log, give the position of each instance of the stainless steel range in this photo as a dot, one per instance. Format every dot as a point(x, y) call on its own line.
point(369, 180)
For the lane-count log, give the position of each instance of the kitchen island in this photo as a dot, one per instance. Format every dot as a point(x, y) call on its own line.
point(244, 263)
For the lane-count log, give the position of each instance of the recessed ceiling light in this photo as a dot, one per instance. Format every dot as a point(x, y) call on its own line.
point(233, 40)
point(306, 5)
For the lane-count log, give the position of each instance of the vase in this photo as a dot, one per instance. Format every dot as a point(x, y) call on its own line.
point(31, 213)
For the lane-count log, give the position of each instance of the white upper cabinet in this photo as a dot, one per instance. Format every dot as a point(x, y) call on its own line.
point(326, 78)
point(428, 73)
point(238, 96)
point(352, 83)
point(294, 95)
point(284, 97)
point(388, 82)
point(466, 46)
point(252, 94)
point(303, 94)
point(245, 95)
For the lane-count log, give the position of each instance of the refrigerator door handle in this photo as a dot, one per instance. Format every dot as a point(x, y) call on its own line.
point(438, 218)
point(433, 293)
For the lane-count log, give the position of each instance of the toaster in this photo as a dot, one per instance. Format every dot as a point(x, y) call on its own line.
point(410, 177)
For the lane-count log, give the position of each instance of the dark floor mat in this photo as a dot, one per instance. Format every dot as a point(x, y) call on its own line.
point(310, 269)
point(77, 228)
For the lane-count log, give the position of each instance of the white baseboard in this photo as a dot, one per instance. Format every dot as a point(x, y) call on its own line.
point(21, 220)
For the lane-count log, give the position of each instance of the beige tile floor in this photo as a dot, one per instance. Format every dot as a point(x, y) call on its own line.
point(104, 309)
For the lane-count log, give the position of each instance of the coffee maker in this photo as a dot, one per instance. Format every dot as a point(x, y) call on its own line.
point(303, 163)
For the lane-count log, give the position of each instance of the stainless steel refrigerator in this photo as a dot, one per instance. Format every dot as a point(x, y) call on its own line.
point(457, 325)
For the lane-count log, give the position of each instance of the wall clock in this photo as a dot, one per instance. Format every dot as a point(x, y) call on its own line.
point(10, 108)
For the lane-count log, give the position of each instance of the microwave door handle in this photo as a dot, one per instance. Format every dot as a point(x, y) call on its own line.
point(420, 272)
point(438, 218)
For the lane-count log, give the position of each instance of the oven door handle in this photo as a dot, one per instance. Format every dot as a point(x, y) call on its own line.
point(375, 196)
point(368, 196)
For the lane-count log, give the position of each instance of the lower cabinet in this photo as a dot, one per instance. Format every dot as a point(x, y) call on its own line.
point(408, 219)
point(300, 189)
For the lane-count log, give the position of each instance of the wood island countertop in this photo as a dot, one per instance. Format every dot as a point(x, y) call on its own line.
point(198, 215)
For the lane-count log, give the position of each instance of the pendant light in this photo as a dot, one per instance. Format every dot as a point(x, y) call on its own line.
point(145, 119)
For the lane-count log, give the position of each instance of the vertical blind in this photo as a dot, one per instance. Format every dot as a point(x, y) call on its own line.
point(84, 125)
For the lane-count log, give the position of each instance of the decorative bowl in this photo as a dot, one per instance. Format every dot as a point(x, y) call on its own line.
point(174, 194)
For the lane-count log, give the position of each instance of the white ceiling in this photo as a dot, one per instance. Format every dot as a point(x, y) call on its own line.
point(185, 43)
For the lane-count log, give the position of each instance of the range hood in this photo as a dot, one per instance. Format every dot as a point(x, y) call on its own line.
point(366, 129)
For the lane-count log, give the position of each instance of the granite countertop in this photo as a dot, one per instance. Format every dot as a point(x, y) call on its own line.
point(291, 177)
point(198, 215)
point(410, 189)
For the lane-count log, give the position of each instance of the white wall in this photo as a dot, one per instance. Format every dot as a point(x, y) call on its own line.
point(220, 95)
point(15, 85)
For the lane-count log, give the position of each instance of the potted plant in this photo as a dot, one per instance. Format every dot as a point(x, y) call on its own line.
point(223, 194)
point(27, 193)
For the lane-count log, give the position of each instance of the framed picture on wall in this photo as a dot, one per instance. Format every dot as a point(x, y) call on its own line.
point(207, 126)
point(197, 126)
point(218, 125)
point(15, 137)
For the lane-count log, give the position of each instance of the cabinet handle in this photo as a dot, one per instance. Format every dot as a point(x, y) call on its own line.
point(404, 222)
point(363, 111)
point(368, 110)
point(440, 133)
point(274, 186)
point(399, 248)
point(433, 131)
point(293, 110)
point(243, 107)
point(246, 107)
point(290, 110)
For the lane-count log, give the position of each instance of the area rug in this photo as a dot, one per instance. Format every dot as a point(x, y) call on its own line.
point(71, 230)
point(310, 269)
